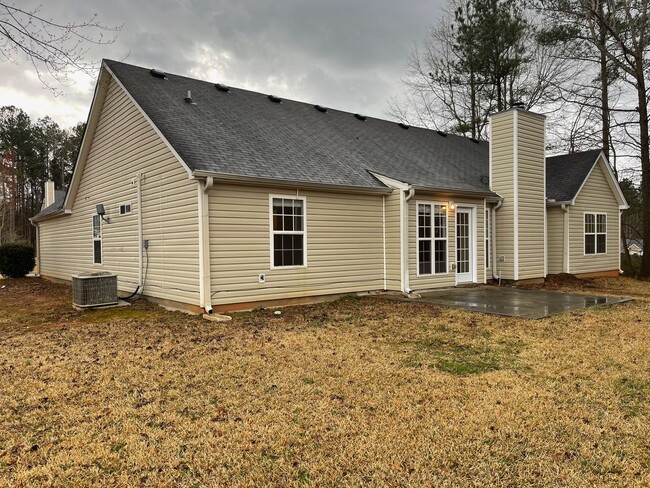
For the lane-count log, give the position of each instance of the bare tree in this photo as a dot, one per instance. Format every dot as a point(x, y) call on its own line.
point(468, 68)
point(54, 49)
point(620, 32)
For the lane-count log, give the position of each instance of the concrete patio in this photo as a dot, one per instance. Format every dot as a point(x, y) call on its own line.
point(514, 302)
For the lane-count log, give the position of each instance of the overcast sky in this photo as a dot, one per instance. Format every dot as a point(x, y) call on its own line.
point(344, 54)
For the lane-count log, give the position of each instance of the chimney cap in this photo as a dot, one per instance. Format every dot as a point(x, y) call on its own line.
point(520, 105)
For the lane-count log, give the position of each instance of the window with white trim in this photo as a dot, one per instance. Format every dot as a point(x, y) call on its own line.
point(487, 233)
point(595, 233)
point(288, 232)
point(125, 208)
point(432, 238)
point(97, 239)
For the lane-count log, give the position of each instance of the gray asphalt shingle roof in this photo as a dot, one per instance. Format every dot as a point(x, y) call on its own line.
point(566, 173)
point(59, 198)
point(244, 133)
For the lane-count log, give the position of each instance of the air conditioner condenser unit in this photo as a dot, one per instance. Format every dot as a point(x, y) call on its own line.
point(94, 289)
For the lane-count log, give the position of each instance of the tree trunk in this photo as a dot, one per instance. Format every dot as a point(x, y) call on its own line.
point(645, 172)
point(604, 81)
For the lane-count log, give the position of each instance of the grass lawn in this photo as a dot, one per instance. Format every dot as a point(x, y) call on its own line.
point(355, 392)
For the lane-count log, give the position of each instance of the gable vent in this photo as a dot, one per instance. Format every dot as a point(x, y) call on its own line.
point(320, 108)
point(222, 88)
point(440, 133)
point(404, 126)
point(360, 117)
point(158, 74)
point(275, 99)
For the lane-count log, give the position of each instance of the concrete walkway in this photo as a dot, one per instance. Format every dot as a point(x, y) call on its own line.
point(514, 302)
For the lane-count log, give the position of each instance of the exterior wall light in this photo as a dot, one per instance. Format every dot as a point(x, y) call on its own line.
point(101, 212)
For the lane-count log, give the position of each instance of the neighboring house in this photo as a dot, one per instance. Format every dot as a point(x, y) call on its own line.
point(244, 199)
point(634, 246)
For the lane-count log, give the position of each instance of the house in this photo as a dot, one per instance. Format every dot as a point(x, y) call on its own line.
point(221, 198)
point(634, 246)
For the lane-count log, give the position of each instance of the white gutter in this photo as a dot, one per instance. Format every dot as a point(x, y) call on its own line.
point(205, 293)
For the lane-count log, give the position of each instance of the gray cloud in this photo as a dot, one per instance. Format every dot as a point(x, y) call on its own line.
point(344, 54)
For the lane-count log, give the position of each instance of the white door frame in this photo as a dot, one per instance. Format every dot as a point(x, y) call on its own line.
point(471, 276)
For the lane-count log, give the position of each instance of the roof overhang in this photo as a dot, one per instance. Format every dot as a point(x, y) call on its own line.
point(279, 183)
point(401, 185)
point(51, 215)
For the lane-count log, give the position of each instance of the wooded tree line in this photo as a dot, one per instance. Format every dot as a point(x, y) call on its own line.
point(583, 63)
point(31, 153)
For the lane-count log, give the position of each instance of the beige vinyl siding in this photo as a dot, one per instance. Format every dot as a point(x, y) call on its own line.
point(595, 196)
point(393, 252)
point(502, 154)
point(555, 225)
point(425, 282)
point(344, 235)
point(124, 144)
point(531, 197)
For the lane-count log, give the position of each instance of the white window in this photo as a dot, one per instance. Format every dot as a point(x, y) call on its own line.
point(288, 240)
point(432, 238)
point(488, 240)
point(97, 239)
point(125, 208)
point(595, 233)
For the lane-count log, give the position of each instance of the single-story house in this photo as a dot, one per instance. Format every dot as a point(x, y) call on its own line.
point(634, 246)
point(222, 198)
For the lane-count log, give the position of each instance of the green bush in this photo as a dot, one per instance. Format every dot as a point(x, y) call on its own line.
point(17, 259)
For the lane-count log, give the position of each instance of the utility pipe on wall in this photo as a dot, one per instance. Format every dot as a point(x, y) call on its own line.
point(495, 257)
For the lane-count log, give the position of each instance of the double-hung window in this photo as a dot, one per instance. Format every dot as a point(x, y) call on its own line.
point(595, 233)
point(288, 243)
point(97, 239)
point(432, 238)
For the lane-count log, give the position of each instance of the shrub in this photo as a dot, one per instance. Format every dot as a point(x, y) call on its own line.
point(17, 259)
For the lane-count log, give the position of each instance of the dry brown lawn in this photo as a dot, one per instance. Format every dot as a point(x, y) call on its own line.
point(355, 392)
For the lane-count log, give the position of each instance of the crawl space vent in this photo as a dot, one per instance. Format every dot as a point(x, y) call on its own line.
point(94, 289)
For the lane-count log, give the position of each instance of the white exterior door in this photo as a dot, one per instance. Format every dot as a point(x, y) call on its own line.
point(465, 242)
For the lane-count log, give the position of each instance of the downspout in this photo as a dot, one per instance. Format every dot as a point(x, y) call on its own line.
point(38, 246)
point(140, 240)
point(205, 294)
point(405, 248)
point(495, 257)
point(565, 232)
point(383, 221)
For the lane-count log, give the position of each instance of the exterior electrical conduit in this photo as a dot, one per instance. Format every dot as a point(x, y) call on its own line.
point(495, 258)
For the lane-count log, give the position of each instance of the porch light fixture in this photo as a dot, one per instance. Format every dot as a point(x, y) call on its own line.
point(452, 205)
